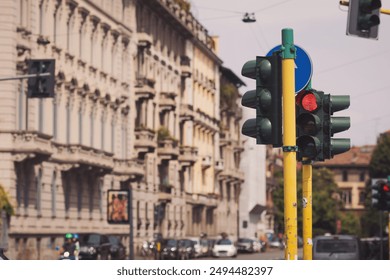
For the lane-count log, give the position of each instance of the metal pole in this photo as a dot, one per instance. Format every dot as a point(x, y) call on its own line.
point(381, 233)
point(307, 175)
point(25, 76)
point(131, 241)
point(289, 144)
point(26, 110)
point(388, 231)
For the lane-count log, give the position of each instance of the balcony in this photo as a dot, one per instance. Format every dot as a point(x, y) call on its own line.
point(206, 162)
point(188, 155)
point(186, 112)
point(165, 190)
point(27, 144)
point(144, 88)
point(145, 140)
point(130, 168)
point(167, 101)
point(76, 156)
point(231, 174)
point(167, 149)
point(185, 65)
point(219, 165)
point(144, 40)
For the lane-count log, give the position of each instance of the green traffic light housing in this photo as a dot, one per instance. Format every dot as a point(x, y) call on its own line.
point(266, 99)
point(380, 195)
point(332, 125)
point(309, 124)
point(363, 18)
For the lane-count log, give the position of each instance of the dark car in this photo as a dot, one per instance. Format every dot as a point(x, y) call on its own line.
point(245, 245)
point(94, 246)
point(170, 249)
point(186, 249)
point(117, 249)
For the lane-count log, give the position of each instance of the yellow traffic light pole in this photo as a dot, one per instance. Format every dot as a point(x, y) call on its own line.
point(289, 144)
point(307, 201)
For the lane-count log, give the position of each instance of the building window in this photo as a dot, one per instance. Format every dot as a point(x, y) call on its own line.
point(79, 197)
point(55, 114)
point(346, 197)
point(244, 224)
point(362, 197)
point(345, 176)
point(362, 176)
point(39, 192)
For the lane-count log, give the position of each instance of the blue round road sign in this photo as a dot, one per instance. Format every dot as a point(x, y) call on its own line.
point(303, 67)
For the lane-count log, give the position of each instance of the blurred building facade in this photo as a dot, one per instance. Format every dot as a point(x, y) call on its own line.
point(137, 106)
point(351, 174)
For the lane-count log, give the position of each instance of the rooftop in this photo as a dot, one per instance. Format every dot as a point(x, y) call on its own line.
point(356, 156)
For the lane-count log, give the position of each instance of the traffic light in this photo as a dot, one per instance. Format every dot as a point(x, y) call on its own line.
point(309, 124)
point(266, 99)
point(41, 86)
point(332, 125)
point(363, 18)
point(380, 195)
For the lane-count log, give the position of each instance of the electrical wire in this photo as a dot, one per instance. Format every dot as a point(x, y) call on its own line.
point(351, 62)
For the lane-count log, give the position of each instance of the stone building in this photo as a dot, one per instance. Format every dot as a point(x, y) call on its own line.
point(351, 175)
point(137, 106)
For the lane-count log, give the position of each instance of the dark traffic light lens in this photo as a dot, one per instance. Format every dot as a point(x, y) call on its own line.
point(309, 102)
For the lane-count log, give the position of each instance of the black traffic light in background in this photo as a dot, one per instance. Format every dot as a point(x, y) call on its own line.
point(41, 86)
point(380, 195)
point(332, 125)
point(266, 99)
point(363, 18)
point(309, 124)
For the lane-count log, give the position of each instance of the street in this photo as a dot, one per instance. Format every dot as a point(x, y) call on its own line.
point(270, 254)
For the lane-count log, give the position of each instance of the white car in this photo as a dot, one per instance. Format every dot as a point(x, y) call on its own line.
point(224, 248)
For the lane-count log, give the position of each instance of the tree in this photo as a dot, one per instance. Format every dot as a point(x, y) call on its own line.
point(5, 203)
point(380, 160)
point(379, 168)
point(326, 205)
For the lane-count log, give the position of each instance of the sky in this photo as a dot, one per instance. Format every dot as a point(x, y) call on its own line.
point(342, 65)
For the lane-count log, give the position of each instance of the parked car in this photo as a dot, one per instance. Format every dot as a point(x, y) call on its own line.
point(117, 249)
point(186, 249)
point(201, 246)
point(336, 247)
point(245, 245)
point(224, 248)
point(94, 246)
point(170, 249)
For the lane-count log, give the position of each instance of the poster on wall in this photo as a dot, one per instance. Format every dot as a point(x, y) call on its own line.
point(118, 207)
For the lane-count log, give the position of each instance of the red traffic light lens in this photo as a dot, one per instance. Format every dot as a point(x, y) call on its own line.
point(386, 188)
point(309, 102)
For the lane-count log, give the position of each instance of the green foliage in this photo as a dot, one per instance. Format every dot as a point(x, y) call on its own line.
point(350, 224)
point(379, 168)
point(163, 134)
point(5, 203)
point(380, 160)
point(186, 6)
point(326, 206)
point(229, 96)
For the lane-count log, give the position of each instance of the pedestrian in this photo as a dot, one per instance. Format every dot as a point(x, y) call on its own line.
point(76, 243)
